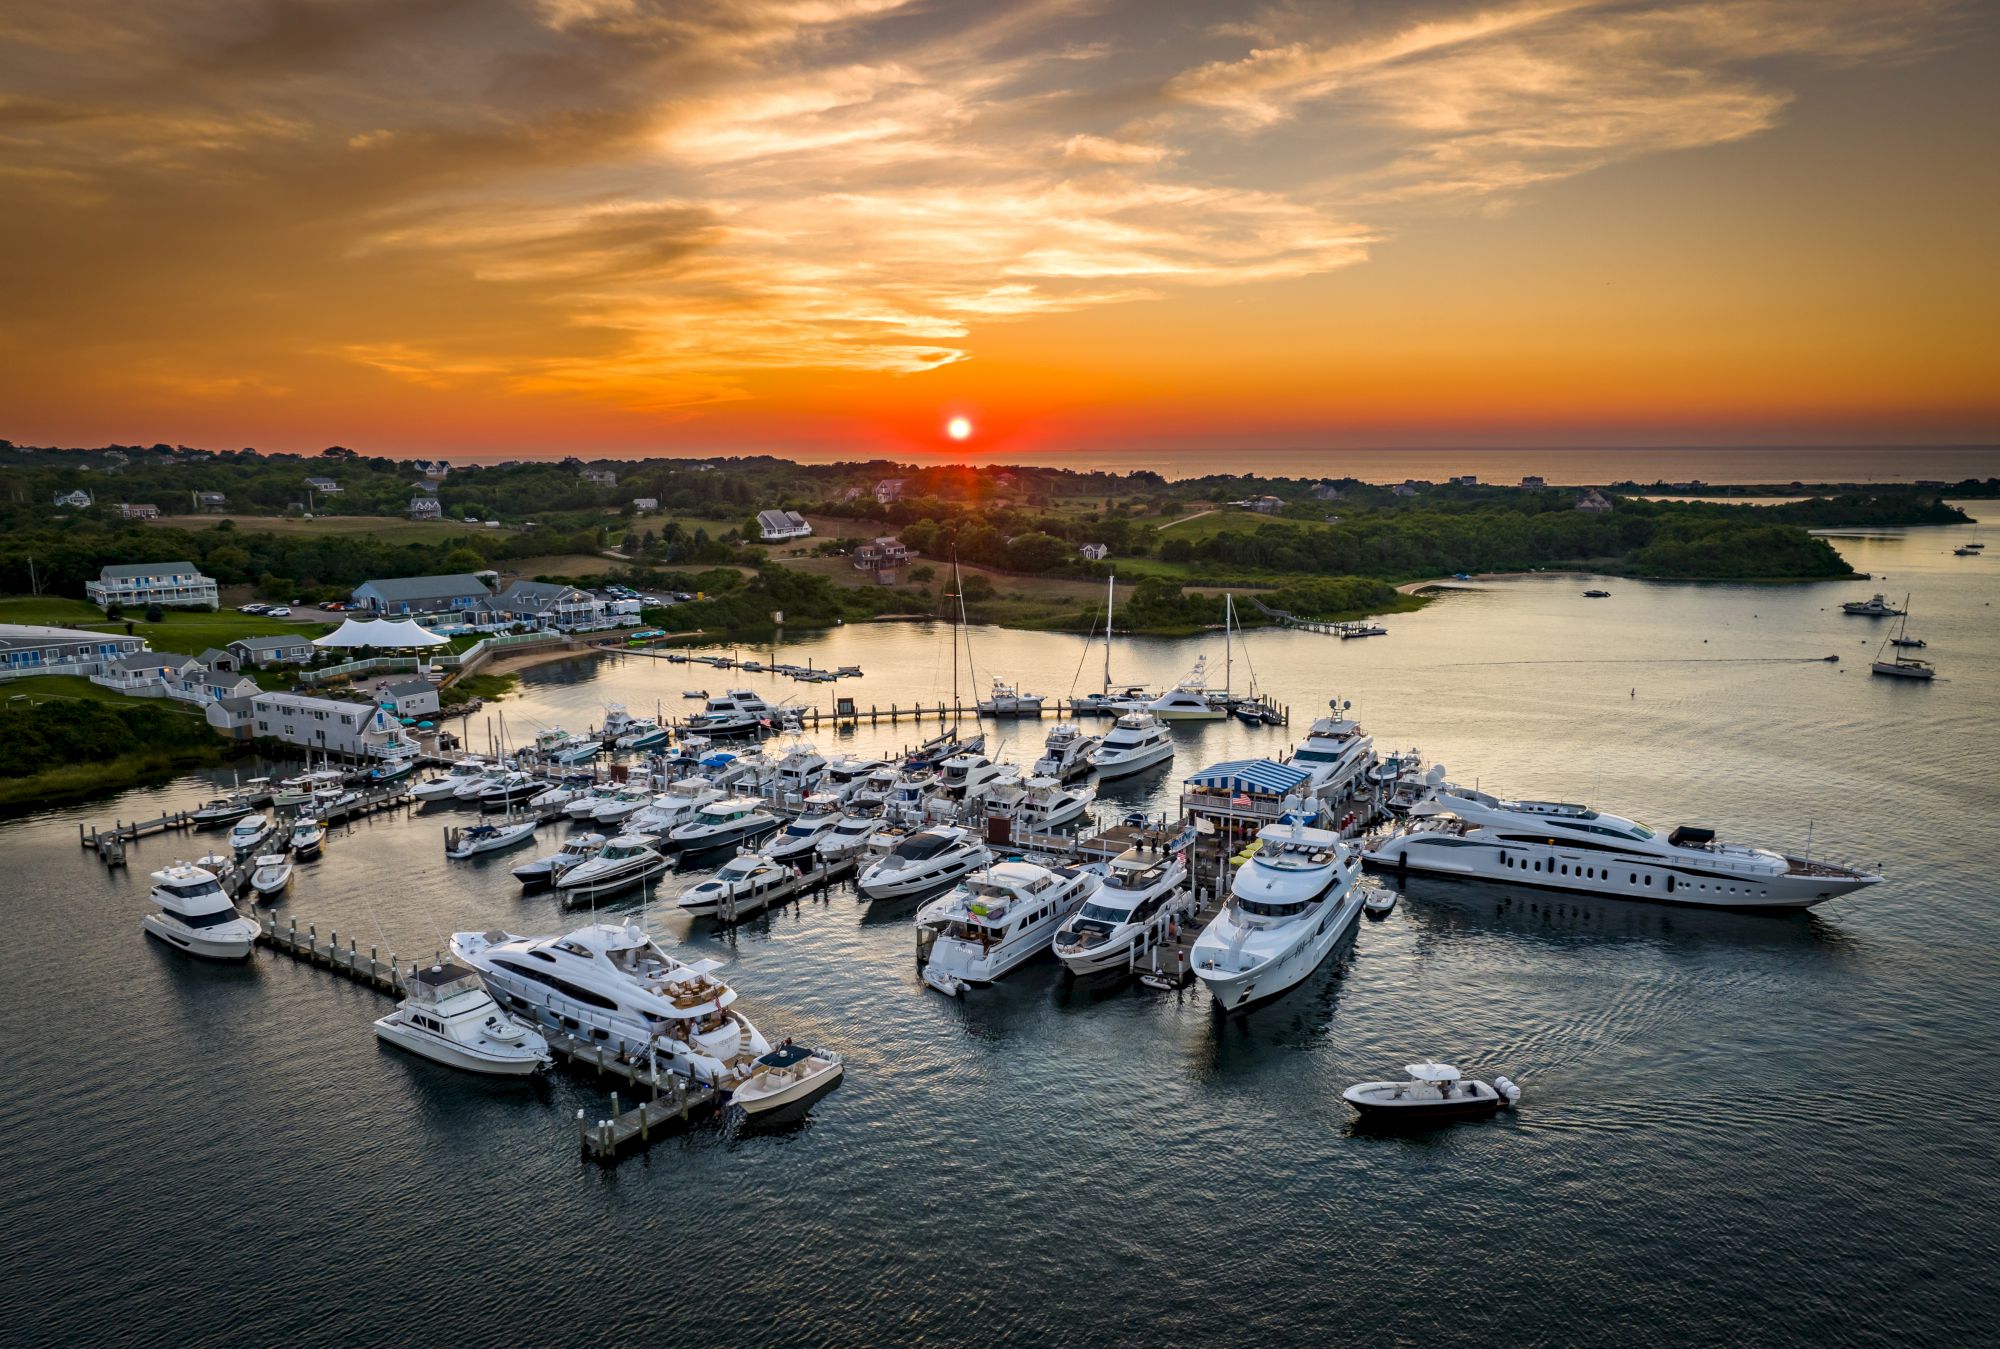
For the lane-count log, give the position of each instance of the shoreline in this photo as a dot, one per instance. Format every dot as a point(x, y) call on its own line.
point(1412, 587)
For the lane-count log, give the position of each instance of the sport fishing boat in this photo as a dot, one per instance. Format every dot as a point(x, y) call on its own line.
point(1874, 607)
point(306, 836)
point(922, 863)
point(195, 915)
point(1136, 741)
point(797, 844)
point(545, 870)
point(622, 863)
point(999, 919)
point(846, 773)
point(448, 1017)
point(1433, 1091)
point(300, 790)
point(627, 732)
point(1043, 804)
point(1336, 752)
point(616, 980)
point(1188, 699)
point(908, 795)
point(1144, 888)
point(871, 794)
point(1289, 903)
point(743, 885)
point(1008, 701)
point(790, 1075)
point(1555, 845)
point(271, 874)
point(798, 772)
point(248, 833)
point(472, 787)
point(727, 823)
point(509, 789)
point(1066, 753)
point(473, 839)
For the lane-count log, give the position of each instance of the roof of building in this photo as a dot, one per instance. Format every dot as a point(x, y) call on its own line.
point(271, 643)
point(15, 634)
point(426, 587)
point(403, 688)
point(1250, 775)
point(128, 569)
point(770, 520)
point(147, 660)
point(213, 654)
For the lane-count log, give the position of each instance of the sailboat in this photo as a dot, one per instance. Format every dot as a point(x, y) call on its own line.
point(1105, 702)
point(949, 743)
point(1901, 666)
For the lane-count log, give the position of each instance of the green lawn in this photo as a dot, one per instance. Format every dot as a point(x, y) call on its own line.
point(38, 687)
point(187, 632)
point(393, 528)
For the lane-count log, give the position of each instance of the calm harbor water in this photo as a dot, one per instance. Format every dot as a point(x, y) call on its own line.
point(1772, 1130)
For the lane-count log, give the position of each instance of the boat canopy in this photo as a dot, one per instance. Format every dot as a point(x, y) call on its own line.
point(1688, 835)
point(1264, 776)
point(1432, 1072)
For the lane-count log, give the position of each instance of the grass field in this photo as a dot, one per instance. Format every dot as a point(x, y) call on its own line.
point(1227, 521)
point(390, 528)
point(37, 687)
point(187, 632)
point(559, 564)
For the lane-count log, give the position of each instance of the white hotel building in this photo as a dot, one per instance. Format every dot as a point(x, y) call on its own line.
point(172, 585)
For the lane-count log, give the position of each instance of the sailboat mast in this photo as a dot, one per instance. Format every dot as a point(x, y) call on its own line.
point(1110, 599)
point(1228, 652)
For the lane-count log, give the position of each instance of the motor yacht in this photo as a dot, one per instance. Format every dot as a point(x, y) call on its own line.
point(509, 790)
point(675, 806)
point(271, 874)
point(727, 823)
point(1137, 741)
point(739, 712)
point(848, 774)
point(1008, 701)
point(1188, 699)
point(616, 980)
point(472, 788)
point(1433, 1091)
point(585, 803)
point(797, 844)
point(249, 833)
point(924, 862)
point(934, 751)
point(1044, 805)
point(224, 809)
point(906, 799)
point(1555, 845)
point(740, 887)
point(299, 790)
point(561, 747)
point(306, 837)
point(963, 774)
point(624, 862)
point(472, 839)
point(790, 1075)
point(447, 783)
point(628, 800)
point(871, 794)
point(629, 733)
point(447, 1016)
point(1144, 889)
point(1289, 903)
point(798, 772)
point(846, 840)
point(545, 870)
point(1066, 753)
point(1335, 752)
point(1876, 606)
point(195, 915)
point(1000, 918)
point(1112, 702)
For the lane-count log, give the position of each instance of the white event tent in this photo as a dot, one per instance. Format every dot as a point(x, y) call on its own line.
point(381, 634)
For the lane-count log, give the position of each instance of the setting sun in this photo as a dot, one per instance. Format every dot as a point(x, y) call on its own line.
point(958, 428)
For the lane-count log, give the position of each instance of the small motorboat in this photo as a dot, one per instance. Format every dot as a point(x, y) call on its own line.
point(788, 1075)
point(222, 810)
point(1433, 1091)
point(1910, 643)
point(1597, 594)
point(1377, 902)
point(545, 870)
point(473, 839)
point(306, 837)
point(694, 693)
point(273, 873)
point(249, 832)
point(449, 1018)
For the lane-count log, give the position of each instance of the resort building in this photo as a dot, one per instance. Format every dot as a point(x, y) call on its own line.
point(203, 685)
point(30, 649)
point(423, 595)
point(265, 652)
point(777, 526)
point(146, 674)
point(408, 698)
point(333, 725)
point(549, 605)
point(173, 585)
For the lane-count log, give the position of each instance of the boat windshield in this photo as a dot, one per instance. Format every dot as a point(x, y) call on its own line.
point(801, 830)
point(225, 915)
point(924, 846)
point(1264, 909)
point(1106, 915)
point(191, 889)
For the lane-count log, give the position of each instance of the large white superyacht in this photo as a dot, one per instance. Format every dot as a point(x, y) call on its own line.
point(1336, 752)
point(1556, 845)
point(1000, 918)
point(613, 985)
point(1288, 904)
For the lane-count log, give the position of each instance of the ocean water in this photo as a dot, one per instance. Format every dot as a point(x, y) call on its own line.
point(1735, 1128)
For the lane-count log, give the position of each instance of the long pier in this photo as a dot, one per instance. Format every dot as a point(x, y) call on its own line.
point(106, 842)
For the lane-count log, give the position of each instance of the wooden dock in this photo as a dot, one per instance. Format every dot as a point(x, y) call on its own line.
point(670, 1102)
point(107, 842)
point(347, 962)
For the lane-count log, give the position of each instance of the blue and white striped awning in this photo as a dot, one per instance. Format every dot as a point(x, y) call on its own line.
point(1263, 776)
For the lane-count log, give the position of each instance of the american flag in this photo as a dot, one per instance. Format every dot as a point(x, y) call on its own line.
point(1240, 799)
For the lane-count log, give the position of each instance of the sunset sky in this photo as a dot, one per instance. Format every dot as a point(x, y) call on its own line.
point(497, 227)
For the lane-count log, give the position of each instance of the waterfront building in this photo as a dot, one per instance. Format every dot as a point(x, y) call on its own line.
point(173, 585)
point(423, 595)
point(549, 605)
point(31, 649)
point(265, 652)
point(408, 698)
point(334, 725)
point(145, 674)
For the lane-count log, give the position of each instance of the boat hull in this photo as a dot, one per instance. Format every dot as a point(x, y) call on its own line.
point(203, 942)
point(1238, 992)
point(1788, 892)
point(392, 1032)
point(1136, 764)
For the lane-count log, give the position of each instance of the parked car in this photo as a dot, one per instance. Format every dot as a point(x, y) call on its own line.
point(278, 611)
point(251, 608)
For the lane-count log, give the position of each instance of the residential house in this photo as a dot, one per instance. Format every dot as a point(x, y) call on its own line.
point(332, 725)
point(138, 510)
point(220, 661)
point(459, 594)
point(1096, 552)
point(645, 505)
point(211, 501)
point(425, 508)
point(853, 494)
point(549, 605)
point(30, 649)
point(1465, 480)
point(408, 698)
point(1326, 491)
point(1533, 483)
point(77, 500)
point(268, 652)
point(1267, 505)
point(434, 469)
point(890, 489)
point(776, 526)
point(1403, 489)
point(204, 686)
point(1593, 501)
point(177, 585)
point(324, 486)
point(884, 557)
point(232, 716)
point(145, 674)
point(600, 477)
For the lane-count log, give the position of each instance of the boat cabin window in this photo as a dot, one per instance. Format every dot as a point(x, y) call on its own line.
point(208, 919)
point(191, 889)
point(1265, 909)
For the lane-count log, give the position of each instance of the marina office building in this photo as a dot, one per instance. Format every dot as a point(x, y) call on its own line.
point(361, 730)
point(173, 585)
point(30, 649)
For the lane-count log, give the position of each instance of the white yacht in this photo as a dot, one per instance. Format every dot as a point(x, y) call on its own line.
point(298, 791)
point(223, 809)
point(726, 823)
point(250, 831)
point(1042, 805)
point(1336, 752)
point(1008, 701)
point(1066, 753)
point(1876, 607)
point(675, 806)
point(1289, 903)
point(1000, 918)
point(1560, 846)
point(1137, 741)
point(964, 774)
point(273, 872)
point(845, 841)
point(871, 794)
point(736, 713)
point(624, 862)
point(472, 788)
point(616, 980)
point(1188, 700)
point(846, 774)
point(1144, 888)
point(306, 837)
point(447, 1016)
point(622, 804)
point(798, 772)
point(196, 915)
point(924, 862)
point(473, 839)
point(555, 797)
point(797, 843)
point(585, 803)
point(509, 789)
point(741, 887)
point(907, 797)
point(545, 870)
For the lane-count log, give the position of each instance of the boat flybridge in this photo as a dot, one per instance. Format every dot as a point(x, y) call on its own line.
point(799, 771)
point(1136, 741)
point(197, 916)
point(1144, 888)
point(1561, 846)
point(546, 870)
point(924, 862)
point(675, 806)
point(612, 984)
point(1066, 753)
point(847, 774)
point(448, 1017)
point(447, 783)
point(798, 842)
point(1008, 701)
point(998, 919)
point(250, 831)
point(1336, 752)
point(1289, 903)
point(1188, 700)
point(738, 712)
point(1038, 804)
point(1876, 606)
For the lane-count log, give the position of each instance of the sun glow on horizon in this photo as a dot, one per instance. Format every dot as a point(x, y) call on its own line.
point(959, 428)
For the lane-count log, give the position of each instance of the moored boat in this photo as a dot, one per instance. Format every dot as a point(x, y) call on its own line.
point(1433, 1091)
point(447, 1016)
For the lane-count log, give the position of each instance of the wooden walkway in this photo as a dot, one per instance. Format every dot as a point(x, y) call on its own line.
point(103, 841)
